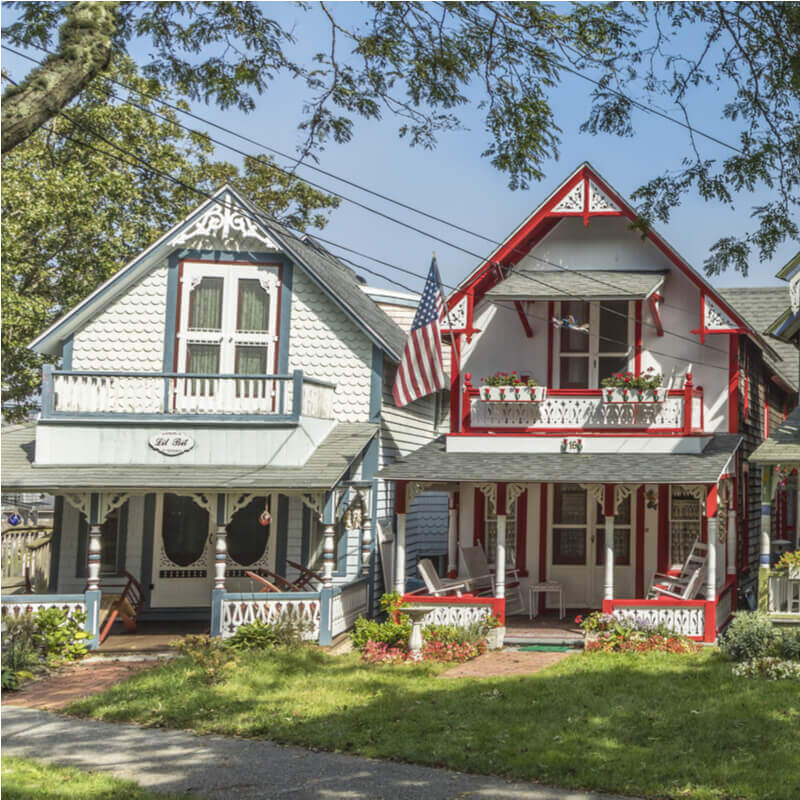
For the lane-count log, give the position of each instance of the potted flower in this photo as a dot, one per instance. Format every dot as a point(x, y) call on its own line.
point(791, 563)
point(509, 387)
point(625, 387)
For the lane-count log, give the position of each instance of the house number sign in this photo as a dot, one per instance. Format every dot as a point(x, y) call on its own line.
point(171, 443)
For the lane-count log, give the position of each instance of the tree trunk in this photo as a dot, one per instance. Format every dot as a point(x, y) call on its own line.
point(84, 51)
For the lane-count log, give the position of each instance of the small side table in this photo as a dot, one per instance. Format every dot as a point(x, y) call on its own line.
point(544, 586)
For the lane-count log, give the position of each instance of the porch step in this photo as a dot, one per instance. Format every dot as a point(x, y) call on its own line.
point(553, 641)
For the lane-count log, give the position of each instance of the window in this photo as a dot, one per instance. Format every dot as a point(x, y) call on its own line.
point(622, 534)
point(184, 529)
point(684, 524)
point(569, 524)
point(490, 529)
point(586, 357)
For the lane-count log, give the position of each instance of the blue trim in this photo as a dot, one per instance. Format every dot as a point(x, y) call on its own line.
point(148, 536)
point(66, 353)
point(305, 537)
point(170, 321)
point(327, 511)
point(43, 598)
point(55, 547)
point(376, 385)
point(217, 597)
point(325, 618)
point(46, 391)
point(282, 541)
point(94, 509)
point(764, 560)
point(237, 596)
point(285, 327)
point(92, 599)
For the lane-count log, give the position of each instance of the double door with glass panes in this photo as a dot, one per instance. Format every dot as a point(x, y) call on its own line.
point(576, 546)
point(228, 325)
point(598, 347)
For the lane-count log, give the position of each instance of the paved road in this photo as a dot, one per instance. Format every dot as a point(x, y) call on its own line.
point(226, 768)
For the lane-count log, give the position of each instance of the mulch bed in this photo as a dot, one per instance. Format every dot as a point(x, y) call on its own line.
point(59, 689)
point(502, 663)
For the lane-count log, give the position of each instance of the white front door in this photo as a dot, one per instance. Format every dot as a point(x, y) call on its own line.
point(183, 553)
point(576, 549)
point(228, 325)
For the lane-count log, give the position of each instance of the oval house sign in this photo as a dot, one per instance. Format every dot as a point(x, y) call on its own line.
point(171, 443)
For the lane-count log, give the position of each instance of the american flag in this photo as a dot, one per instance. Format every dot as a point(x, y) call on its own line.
point(421, 368)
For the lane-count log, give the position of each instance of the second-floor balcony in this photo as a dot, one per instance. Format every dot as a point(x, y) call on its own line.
point(162, 395)
point(677, 412)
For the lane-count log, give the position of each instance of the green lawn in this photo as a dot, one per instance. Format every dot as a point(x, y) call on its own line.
point(26, 779)
point(656, 724)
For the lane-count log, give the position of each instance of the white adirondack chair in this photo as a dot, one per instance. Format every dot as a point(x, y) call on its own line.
point(437, 586)
point(688, 591)
point(483, 578)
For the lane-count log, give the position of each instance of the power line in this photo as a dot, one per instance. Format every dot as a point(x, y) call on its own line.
point(145, 165)
point(481, 258)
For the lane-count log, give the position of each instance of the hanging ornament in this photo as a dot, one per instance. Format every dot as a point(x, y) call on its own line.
point(265, 517)
point(14, 518)
point(571, 324)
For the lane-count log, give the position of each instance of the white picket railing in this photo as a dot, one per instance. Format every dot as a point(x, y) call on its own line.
point(784, 594)
point(686, 620)
point(461, 615)
point(244, 609)
point(347, 605)
point(26, 548)
point(31, 603)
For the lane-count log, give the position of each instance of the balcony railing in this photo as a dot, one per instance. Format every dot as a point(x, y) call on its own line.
point(784, 594)
point(170, 394)
point(572, 411)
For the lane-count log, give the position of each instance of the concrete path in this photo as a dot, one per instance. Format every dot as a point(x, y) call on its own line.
point(226, 768)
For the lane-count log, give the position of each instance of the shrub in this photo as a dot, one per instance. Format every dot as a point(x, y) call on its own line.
point(452, 634)
point(787, 644)
point(20, 642)
point(10, 678)
point(632, 635)
point(750, 635)
point(771, 668)
point(61, 635)
point(287, 631)
point(642, 644)
point(207, 653)
point(395, 631)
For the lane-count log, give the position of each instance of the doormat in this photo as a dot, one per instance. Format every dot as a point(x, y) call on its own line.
point(544, 648)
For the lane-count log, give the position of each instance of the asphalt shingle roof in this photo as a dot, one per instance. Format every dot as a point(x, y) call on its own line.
point(783, 445)
point(760, 307)
point(322, 471)
point(573, 283)
point(432, 463)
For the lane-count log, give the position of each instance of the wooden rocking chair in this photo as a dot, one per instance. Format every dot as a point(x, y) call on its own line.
point(483, 578)
point(307, 580)
point(283, 584)
point(266, 586)
point(125, 606)
point(674, 585)
point(689, 589)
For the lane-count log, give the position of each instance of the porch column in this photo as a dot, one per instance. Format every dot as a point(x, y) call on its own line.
point(500, 554)
point(452, 544)
point(221, 544)
point(400, 502)
point(328, 541)
point(609, 512)
point(93, 557)
point(710, 510)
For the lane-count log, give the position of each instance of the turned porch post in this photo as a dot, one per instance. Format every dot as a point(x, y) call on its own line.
point(452, 527)
point(328, 541)
point(609, 511)
point(400, 503)
point(220, 544)
point(94, 545)
point(710, 510)
point(500, 553)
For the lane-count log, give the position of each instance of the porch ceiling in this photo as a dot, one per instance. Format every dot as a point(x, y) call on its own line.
point(595, 284)
point(783, 445)
point(433, 463)
point(323, 470)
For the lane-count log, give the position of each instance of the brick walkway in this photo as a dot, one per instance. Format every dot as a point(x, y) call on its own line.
point(72, 683)
point(502, 663)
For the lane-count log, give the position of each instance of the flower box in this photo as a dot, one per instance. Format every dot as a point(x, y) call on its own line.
point(617, 395)
point(658, 395)
point(513, 394)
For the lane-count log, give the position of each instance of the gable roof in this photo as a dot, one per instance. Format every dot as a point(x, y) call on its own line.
point(584, 193)
point(590, 284)
point(783, 445)
point(336, 280)
point(757, 306)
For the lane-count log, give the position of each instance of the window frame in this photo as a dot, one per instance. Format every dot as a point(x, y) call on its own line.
point(676, 563)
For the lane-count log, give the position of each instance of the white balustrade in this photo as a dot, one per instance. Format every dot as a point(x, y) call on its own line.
point(577, 412)
point(30, 604)
point(317, 400)
point(461, 615)
point(347, 606)
point(784, 594)
point(685, 620)
point(237, 612)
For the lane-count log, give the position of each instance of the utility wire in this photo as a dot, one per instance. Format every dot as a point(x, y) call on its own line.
point(481, 258)
point(144, 164)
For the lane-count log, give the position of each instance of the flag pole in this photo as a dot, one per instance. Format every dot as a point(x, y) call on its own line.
point(453, 347)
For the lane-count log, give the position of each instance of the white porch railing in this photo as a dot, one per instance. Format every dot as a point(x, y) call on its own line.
point(27, 549)
point(95, 393)
point(784, 594)
point(347, 605)
point(686, 620)
point(245, 608)
point(31, 603)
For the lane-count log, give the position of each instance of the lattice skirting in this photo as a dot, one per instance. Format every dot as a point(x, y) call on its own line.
point(236, 613)
point(686, 620)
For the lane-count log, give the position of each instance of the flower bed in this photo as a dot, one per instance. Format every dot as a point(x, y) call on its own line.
point(432, 650)
point(770, 667)
point(607, 633)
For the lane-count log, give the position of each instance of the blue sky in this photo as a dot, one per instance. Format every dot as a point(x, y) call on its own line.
point(455, 183)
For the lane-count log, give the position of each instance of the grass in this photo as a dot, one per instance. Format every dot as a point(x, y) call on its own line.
point(26, 779)
point(655, 724)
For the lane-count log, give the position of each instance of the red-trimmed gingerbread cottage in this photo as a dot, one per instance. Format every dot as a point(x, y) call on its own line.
point(593, 488)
